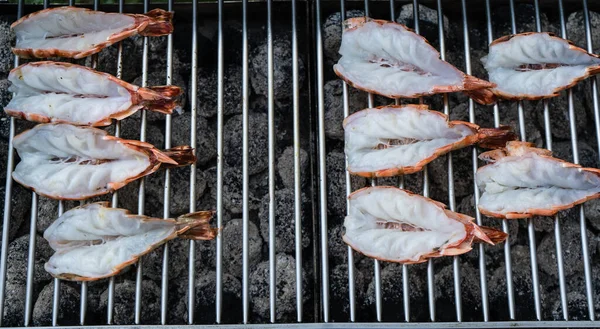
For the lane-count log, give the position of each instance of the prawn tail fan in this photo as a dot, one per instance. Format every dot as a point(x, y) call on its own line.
point(182, 155)
point(161, 99)
point(489, 235)
point(196, 226)
point(159, 23)
point(493, 138)
point(483, 96)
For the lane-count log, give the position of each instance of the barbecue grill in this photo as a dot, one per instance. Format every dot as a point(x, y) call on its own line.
point(545, 276)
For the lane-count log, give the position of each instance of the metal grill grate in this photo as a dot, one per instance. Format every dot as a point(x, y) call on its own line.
point(302, 21)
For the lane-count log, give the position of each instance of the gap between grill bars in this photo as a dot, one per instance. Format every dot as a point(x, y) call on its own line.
point(313, 107)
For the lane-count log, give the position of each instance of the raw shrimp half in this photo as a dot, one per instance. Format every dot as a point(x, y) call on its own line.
point(69, 93)
point(523, 181)
point(389, 59)
point(402, 139)
point(78, 32)
point(391, 224)
point(62, 161)
point(95, 241)
point(536, 65)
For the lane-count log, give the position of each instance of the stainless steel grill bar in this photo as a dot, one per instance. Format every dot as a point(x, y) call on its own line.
point(507, 255)
point(193, 111)
point(115, 196)
point(588, 37)
point(142, 184)
point(219, 265)
point(10, 163)
point(530, 221)
point(385, 325)
point(583, 225)
point(30, 266)
point(56, 294)
point(167, 188)
point(297, 177)
point(351, 287)
point(405, 275)
point(271, 134)
point(32, 221)
point(451, 196)
point(322, 167)
point(430, 265)
point(482, 267)
point(34, 203)
point(594, 80)
point(557, 230)
point(245, 215)
point(84, 285)
point(405, 278)
point(376, 264)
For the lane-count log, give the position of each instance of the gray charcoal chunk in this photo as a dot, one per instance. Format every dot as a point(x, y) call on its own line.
point(462, 166)
point(576, 30)
point(336, 184)
point(207, 91)
point(577, 307)
point(522, 283)
point(571, 247)
point(20, 201)
point(180, 190)
point(68, 307)
point(286, 168)
point(524, 17)
point(48, 212)
point(592, 213)
point(285, 292)
point(206, 136)
point(131, 129)
point(576, 300)
point(332, 33)
point(257, 142)
point(159, 78)
point(285, 230)
point(559, 115)
point(282, 69)
point(17, 260)
point(124, 302)
point(232, 190)
point(334, 106)
point(338, 249)
point(233, 249)
point(20, 126)
point(178, 260)
point(588, 156)
point(7, 36)
point(205, 297)
point(428, 22)
point(131, 66)
point(5, 96)
point(391, 289)
point(206, 253)
point(14, 304)
point(338, 288)
point(470, 290)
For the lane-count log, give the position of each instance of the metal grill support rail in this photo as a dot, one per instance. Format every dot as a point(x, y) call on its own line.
point(324, 238)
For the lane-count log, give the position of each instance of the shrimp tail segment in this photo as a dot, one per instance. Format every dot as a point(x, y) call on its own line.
point(196, 226)
point(493, 138)
point(489, 235)
point(161, 99)
point(182, 156)
point(159, 23)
